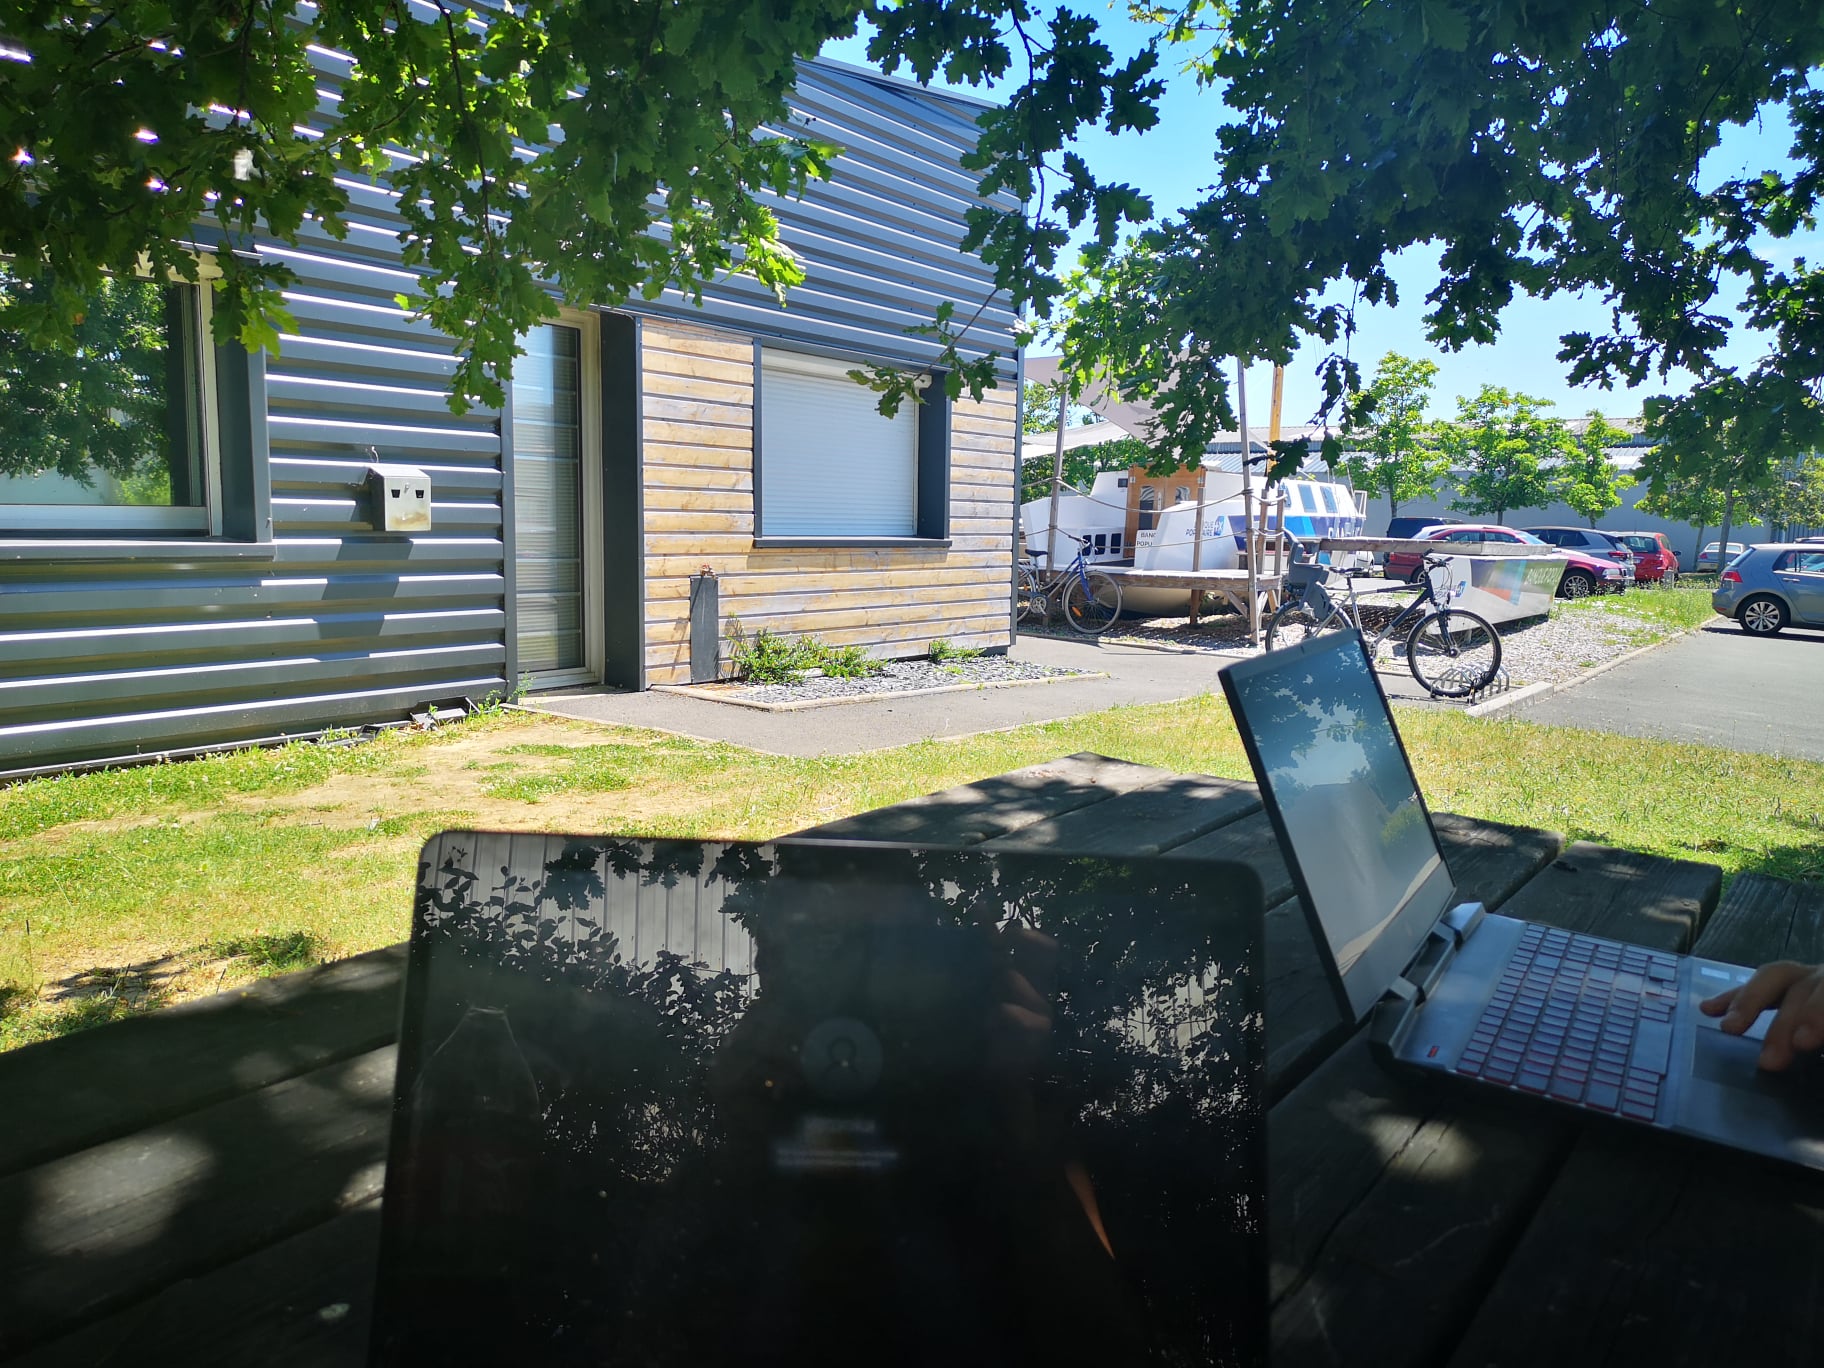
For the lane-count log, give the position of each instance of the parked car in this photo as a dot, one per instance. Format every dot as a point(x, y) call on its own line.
point(1768, 588)
point(1706, 559)
point(1589, 541)
point(1583, 574)
point(1654, 558)
point(1407, 528)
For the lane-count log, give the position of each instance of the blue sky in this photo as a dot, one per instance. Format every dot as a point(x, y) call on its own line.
point(1173, 163)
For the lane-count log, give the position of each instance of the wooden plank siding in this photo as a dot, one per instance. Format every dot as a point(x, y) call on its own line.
point(697, 393)
point(319, 620)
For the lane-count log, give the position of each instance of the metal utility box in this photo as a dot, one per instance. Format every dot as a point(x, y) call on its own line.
point(705, 628)
point(402, 498)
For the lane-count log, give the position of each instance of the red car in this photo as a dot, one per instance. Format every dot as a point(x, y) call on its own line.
point(1654, 558)
point(1584, 574)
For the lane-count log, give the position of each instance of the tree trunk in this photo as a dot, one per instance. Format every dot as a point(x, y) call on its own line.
point(1722, 539)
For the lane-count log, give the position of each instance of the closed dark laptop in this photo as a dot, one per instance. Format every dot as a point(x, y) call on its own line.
point(1609, 1028)
point(678, 1103)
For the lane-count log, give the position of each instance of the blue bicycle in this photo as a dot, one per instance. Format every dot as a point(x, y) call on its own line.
point(1089, 599)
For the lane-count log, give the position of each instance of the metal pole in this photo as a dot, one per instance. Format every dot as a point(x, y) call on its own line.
point(1247, 504)
point(1197, 547)
point(1057, 475)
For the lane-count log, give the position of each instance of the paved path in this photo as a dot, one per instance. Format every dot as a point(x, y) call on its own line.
point(1134, 675)
point(1718, 686)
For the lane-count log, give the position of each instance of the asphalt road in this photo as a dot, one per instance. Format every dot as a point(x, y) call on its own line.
point(1718, 686)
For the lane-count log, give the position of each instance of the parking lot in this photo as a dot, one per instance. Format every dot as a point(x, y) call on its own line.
point(1719, 686)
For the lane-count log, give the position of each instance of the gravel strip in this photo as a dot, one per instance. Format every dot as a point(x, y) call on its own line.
point(1575, 638)
point(900, 676)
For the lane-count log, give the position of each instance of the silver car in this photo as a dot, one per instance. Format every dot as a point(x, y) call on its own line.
point(1767, 588)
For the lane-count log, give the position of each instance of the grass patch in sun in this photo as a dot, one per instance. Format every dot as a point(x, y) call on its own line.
point(278, 953)
point(279, 885)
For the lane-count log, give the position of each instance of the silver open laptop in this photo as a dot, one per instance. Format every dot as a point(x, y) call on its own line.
point(1596, 1024)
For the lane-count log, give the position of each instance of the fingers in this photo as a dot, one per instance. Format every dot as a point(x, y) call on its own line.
point(1738, 1007)
point(1798, 1026)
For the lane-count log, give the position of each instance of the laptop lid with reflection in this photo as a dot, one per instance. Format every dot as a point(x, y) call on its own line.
point(676, 1103)
point(1343, 800)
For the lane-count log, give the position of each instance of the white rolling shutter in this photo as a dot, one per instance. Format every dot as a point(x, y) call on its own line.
point(830, 464)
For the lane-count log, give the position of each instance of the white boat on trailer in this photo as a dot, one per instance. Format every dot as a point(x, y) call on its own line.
point(1305, 508)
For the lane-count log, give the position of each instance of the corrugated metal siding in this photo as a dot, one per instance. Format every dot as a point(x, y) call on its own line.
point(345, 625)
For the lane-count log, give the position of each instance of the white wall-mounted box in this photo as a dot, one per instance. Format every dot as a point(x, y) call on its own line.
point(402, 498)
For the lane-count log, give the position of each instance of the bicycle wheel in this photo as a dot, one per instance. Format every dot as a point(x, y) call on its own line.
point(1030, 603)
point(1092, 601)
point(1453, 652)
point(1294, 622)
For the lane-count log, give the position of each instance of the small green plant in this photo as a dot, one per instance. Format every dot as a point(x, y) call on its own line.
point(845, 662)
point(768, 658)
point(494, 702)
point(272, 954)
point(942, 651)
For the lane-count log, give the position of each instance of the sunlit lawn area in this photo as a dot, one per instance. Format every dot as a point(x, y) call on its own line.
point(125, 889)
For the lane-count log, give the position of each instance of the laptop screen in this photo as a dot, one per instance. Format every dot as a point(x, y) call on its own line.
point(814, 1104)
point(1343, 799)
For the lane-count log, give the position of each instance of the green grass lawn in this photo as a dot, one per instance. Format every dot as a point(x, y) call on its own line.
point(1647, 611)
point(122, 890)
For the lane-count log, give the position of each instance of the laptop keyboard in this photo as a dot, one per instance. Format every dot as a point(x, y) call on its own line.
point(1581, 1020)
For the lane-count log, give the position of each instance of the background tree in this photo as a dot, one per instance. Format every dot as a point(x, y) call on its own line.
point(1501, 447)
point(1082, 465)
point(1397, 454)
point(1039, 412)
point(97, 410)
point(1708, 440)
point(1547, 150)
point(1587, 478)
point(612, 148)
point(1792, 501)
point(1686, 501)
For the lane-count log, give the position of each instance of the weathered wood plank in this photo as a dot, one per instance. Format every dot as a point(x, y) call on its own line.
point(1142, 821)
point(306, 1302)
point(991, 808)
point(1490, 861)
point(1649, 1250)
point(1380, 1261)
point(86, 1233)
point(69, 1094)
point(1250, 839)
point(1657, 902)
point(1387, 1205)
point(1304, 1022)
point(1762, 918)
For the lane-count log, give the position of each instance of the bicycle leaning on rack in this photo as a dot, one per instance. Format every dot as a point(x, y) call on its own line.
point(1090, 600)
point(1451, 651)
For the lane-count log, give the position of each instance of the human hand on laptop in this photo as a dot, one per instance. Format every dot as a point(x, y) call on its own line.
point(1796, 990)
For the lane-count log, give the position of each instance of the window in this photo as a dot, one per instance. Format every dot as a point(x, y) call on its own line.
point(1329, 498)
point(117, 435)
point(1149, 508)
point(1181, 494)
point(831, 466)
point(1308, 499)
point(1801, 562)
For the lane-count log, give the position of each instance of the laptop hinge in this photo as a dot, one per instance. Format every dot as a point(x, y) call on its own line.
point(1394, 1013)
point(1393, 1018)
point(1463, 919)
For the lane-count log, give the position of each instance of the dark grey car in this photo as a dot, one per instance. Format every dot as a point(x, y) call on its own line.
point(1767, 588)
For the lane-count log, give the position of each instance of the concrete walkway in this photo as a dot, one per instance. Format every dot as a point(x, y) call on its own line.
point(1718, 686)
point(1134, 674)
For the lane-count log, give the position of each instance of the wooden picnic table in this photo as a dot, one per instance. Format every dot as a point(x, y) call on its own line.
point(201, 1185)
